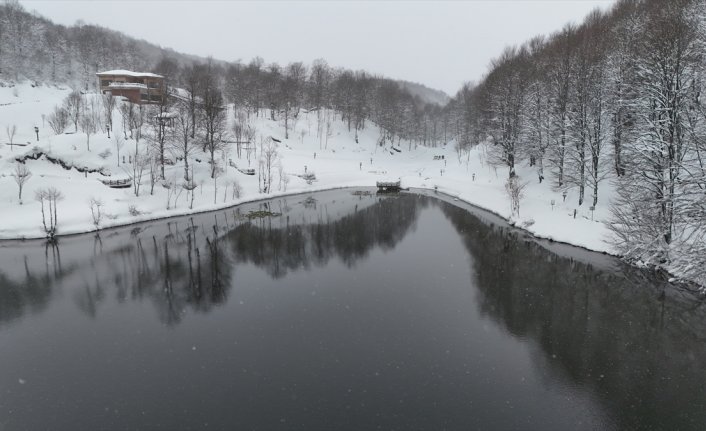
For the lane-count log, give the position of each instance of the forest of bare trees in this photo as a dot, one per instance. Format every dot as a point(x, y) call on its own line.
point(616, 99)
point(29, 42)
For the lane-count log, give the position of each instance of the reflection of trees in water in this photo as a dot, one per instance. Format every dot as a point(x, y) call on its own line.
point(641, 351)
point(280, 247)
point(187, 268)
point(190, 265)
point(33, 292)
point(184, 269)
point(615, 333)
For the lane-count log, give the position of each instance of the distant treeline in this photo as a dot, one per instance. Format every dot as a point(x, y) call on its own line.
point(284, 91)
point(32, 47)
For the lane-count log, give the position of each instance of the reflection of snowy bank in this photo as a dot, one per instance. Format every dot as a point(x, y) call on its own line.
point(21, 257)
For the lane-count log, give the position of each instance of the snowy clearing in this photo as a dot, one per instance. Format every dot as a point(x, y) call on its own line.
point(336, 160)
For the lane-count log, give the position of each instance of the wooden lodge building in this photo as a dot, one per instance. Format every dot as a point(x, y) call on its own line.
point(137, 87)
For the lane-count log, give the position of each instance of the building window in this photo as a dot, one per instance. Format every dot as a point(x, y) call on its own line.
point(105, 82)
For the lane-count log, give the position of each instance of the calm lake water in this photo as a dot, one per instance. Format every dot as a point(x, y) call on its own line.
point(341, 311)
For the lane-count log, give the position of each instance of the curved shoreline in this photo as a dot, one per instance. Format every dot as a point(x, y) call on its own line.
point(420, 190)
point(444, 196)
point(138, 219)
point(688, 285)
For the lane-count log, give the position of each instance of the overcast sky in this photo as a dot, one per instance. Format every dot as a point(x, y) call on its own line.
point(439, 44)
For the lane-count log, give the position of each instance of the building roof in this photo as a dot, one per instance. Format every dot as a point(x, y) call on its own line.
point(126, 85)
point(129, 73)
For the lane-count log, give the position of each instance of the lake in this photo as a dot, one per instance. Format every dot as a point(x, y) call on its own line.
point(341, 310)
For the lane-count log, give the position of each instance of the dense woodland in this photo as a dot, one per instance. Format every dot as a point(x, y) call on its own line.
point(616, 99)
point(615, 103)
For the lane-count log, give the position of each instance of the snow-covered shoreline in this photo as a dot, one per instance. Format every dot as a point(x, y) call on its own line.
point(338, 157)
point(77, 228)
point(426, 191)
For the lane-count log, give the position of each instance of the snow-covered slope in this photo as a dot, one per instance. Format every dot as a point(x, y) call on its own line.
point(337, 161)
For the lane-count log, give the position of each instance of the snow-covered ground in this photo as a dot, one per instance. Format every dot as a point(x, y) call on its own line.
point(341, 162)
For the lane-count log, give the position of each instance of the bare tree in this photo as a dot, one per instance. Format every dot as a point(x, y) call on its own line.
point(119, 143)
point(329, 129)
point(217, 171)
point(182, 140)
point(269, 156)
point(190, 186)
point(621, 91)
point(192, 80)
point(506, 92)
point(89, 124)
point(41, 197)
point(54, 196)
point(11, 131)
point(160, 118)
point(273, 91)
point(237, 190)
point(96, 206)
point(249, 137)
point(242, 131)
point(291, 93)
point(170, 186)
point(537, 113)
point(560, 81)
point(50, 196)
point(515, 191)
point(283, 177)
point(59, 120)
point(108, 108)
point(74, 105)
point(213, 113)
point(127, 111)
point(255, 85)
point(235, 87)
point(139, 164)
point(586, 116)
point(137, 120)
point(320, 80)
point(154, 171)
point(21, 174)
point(598, 113)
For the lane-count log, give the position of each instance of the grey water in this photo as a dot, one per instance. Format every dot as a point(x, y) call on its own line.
point(341, 310)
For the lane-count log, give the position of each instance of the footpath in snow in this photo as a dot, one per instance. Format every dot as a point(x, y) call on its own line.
point(331, 153)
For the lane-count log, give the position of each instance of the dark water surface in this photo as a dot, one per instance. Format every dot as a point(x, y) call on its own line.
point(342, 312)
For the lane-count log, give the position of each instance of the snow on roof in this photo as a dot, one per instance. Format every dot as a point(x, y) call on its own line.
point(126, 85)
point(130, 73)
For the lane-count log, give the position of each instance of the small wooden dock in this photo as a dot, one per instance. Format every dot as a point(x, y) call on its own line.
point(118, 184)
point(389, 186)
point(246, 171)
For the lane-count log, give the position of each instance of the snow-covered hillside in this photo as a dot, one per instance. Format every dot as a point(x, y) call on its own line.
point(426, 94)
point(340, 162)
